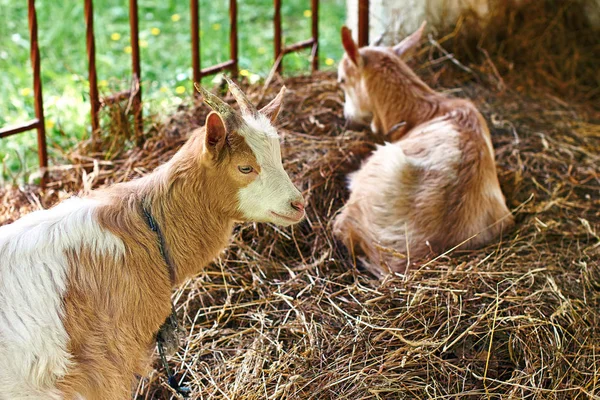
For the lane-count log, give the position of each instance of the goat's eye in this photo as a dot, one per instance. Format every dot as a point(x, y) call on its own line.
point(342, 81)
point(245, 169)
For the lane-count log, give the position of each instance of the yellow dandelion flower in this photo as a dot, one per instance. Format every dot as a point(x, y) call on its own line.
point(307, 13)
point(180, 89)
point(127, 49)
point(329, 61)
point(262, 50)
point(115, 36)
point(175, 17)
point(50, 124)
point(155, 31)
point(25, 91)
point(164, 89)
point(143, 44)
point(103, 83)
point(216, 27)
point(244, 72)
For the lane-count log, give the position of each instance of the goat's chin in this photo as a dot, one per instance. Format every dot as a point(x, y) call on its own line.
point(285, 219)
point(276, 218)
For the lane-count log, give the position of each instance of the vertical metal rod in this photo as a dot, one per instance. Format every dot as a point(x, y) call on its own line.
point(277, 37)
point(315, 34)
point(233, 37)
point(135, 61)
point(37, 91)
point(91, 52)
point(195, 17)
point(363, 23)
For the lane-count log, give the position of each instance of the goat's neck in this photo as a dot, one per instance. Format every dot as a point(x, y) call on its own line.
point(188, 209)
point(398, 101)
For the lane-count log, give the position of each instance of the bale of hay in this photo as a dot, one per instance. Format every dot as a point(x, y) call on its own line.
point(287, 313)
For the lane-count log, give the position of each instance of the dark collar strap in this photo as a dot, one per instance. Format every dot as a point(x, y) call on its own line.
point(161, 242)
point(167, 335)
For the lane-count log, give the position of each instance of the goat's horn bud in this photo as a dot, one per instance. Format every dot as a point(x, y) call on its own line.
point(214, 102)
point(246, 107)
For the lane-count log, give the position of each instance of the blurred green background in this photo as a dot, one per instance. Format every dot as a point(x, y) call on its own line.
point(165, 53)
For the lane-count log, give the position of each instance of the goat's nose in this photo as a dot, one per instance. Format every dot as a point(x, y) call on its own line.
point(297, 205)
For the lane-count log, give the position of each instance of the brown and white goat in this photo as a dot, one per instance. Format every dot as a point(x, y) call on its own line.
point(84, 287)
point(435, 185)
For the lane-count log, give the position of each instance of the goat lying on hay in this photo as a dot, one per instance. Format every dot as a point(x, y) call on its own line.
point(434, 187)
point(85, 286)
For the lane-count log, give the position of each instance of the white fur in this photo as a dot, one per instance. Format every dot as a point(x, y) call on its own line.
point(387, 163)
point(443, 151)
point(377, 185)
point(33, 278)
point(393, 160)
point(352, 110)
point(272, 190)
point(442, 154)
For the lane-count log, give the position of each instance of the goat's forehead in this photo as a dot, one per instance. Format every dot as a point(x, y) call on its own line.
point(262, 138)
point(258, 125)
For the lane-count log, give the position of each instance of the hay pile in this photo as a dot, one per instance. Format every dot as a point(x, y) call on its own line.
point(549, 43)
point(284, 313)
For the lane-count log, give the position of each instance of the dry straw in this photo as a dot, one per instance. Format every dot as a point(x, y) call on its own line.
point(285, 313)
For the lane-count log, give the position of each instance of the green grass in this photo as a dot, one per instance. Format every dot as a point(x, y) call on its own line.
point(165, 52)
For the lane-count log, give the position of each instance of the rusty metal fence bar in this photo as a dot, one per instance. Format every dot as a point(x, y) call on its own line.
point(135, 65)
point(38, 123)
point(232, 63)
point(91, 52)
point(198, 73)
point(312, 43)
point(363, 23)
point(95, 103)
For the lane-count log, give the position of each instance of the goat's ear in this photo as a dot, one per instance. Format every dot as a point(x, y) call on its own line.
point(272, 109)
point(215, 133)
point(350, 46)
point(410, 41)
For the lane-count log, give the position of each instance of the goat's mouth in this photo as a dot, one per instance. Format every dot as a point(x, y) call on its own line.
point(290, 219)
